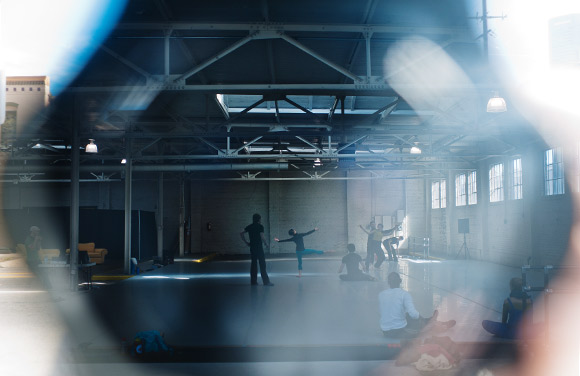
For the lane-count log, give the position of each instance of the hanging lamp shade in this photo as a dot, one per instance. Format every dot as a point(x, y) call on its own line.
point(496, 104)
point(91, 147)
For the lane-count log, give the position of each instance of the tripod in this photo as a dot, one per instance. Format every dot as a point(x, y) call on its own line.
point(463, 247)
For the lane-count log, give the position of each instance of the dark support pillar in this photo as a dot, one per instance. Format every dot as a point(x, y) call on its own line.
point(74, 205)
point(160, 216)
point(128, 186)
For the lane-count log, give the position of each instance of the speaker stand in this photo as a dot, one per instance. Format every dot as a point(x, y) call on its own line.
point(463, 248)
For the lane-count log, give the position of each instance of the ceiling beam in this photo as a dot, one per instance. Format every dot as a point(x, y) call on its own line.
point(283, 27)
point(375, 89)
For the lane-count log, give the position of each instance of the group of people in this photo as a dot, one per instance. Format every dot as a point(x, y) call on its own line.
point(351, 261)
point(376, 233)
point(255, 232)
point(398, 315)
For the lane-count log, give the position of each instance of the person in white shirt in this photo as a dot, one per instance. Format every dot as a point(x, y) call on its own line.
point(399, 318)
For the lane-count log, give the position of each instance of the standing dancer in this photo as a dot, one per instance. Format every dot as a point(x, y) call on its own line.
point(256, 231)
point(300, 250)
point(371, 245)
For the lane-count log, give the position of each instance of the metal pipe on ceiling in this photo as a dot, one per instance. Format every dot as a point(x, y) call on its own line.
point(153, 168)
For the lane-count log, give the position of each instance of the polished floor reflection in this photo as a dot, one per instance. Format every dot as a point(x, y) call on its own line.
point(316, 321)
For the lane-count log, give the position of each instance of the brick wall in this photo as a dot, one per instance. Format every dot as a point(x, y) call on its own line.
point(507, 232)
point(229, 207)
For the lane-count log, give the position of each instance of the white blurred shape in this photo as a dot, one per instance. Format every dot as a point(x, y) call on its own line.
point(53, 38)
point(423, 73)
point(2, 97)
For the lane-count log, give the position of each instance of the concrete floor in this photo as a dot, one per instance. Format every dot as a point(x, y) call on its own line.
point(316, 324)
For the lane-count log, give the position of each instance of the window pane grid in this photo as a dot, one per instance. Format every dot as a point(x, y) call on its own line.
point(438, 195)
point(554, 172)
point(496, 183)
point(460, 193)
point(517, 179)
point(435, 202)
point(472, 188)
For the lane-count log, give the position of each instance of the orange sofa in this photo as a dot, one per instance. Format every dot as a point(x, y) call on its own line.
point(96, 255)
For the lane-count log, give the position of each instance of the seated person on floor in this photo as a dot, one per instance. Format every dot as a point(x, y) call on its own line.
point(513, 311)
point(352, 262)
point(399, 318)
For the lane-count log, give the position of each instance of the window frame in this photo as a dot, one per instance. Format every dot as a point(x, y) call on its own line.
point(496, 179)
point(460, 190)
point(517, 179)
point(439, 194)
point(554, 176)
point(472, 188)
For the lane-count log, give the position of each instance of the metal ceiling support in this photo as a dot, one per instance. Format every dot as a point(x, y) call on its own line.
point(285, 27)
point(368, 36)
point(235, 152)
point(149, 145)
point(245, 111)
point(332, 109)
point(312, 145)
point(211, 167)
point(485, 29)
point(166, 45)
point(351, 143)
point(48, 147)
point(277, 112)
point(316, 175)
point(220, 151)
point(222, 106)
point(302, 108)
point(213, 59)
point(374, 89)
point(271, 62)
point(154, 168)
point(319, 178)
point(405, 141)
point(322, 59)
point(128, 63)
point(448, 143)
point(248, 175)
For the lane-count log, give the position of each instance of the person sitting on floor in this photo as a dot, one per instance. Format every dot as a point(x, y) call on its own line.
point(512, 312)
point(399, 318)
point(352, 261)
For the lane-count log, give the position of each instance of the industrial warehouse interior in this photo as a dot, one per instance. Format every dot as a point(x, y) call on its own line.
point(148, 134)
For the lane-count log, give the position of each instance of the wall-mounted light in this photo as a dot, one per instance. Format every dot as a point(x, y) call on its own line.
point(415, 150)
point(123, 161)
point(496, 103)
point(91, 147)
